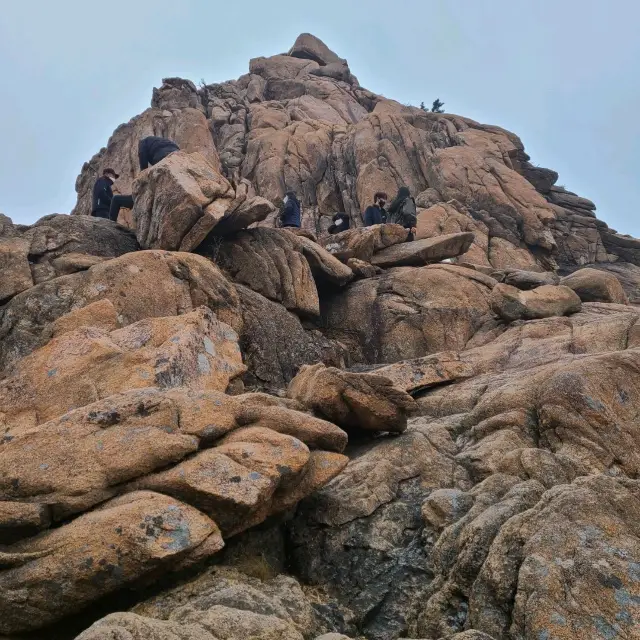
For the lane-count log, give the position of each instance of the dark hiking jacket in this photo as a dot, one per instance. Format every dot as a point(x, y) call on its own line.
point(102, 196)
point(153, 149)
point(374, 215)
point(290, 214)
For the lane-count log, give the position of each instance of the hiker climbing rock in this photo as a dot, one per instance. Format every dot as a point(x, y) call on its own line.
point(103, 194)
point(153, 149)
point(376, 214)
point(403, 211)
point(341, 222)
point(290, 215)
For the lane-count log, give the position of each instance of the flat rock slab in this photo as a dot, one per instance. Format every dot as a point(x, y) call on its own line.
point(547, 301)
point(430, 371)
point(421, 252)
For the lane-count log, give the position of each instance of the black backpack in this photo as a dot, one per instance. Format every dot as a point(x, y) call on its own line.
point(409, 213)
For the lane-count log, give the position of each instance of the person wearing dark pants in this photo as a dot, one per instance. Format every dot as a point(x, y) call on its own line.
point(153, 149)
point(117, 203)
point(341, 222)
point(103, 194)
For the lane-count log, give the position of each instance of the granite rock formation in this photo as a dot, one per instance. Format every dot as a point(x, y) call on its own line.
point(212, 428)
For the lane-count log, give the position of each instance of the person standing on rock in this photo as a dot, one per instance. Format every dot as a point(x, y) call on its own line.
point(290, 215)
point(153, 149)
point(403, 211)
point(341, 222)
point(103, 194)
point(376, 214)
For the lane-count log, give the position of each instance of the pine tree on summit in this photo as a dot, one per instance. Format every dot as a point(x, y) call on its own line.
point(437, 105)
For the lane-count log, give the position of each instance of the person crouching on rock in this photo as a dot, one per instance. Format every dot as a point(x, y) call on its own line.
point(153, 149)
point(341, 222)
point(403, 211)
point(375, 214)
point(290, 214)
point(103, 194)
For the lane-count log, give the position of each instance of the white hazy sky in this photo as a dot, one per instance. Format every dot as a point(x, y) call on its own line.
point(562, 74)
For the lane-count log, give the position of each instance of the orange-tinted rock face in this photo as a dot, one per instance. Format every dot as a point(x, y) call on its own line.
point(159, 404)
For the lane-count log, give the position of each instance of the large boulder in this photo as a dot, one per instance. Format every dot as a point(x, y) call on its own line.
point(362, 242)
point(542, 302)
point(308, 47)
point(144, 284)
point(269, 262)
point(352, 400)
point(408, 312)
point(421, 252)
point(172, 196)
point(627, 274)
point(81, 366)
point(564, 545)
point(100, 552)
point(526, 280)
point(593, 285)
point(279, 265)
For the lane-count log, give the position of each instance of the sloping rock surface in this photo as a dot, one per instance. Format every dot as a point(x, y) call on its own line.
point(486, 487)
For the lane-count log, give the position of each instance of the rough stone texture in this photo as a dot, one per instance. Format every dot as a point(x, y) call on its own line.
point(526, 280)
point(57, 245)
point(628, 275)
point(172, 196)
point(140, 285)
point(88, 364)
point(275, 344)
point(83, 457)
point(361, 243)
point(125, 540)
point(430, 371)
point(421, 252)
point(507, 509)
point(542, 302)
point(280, 266)
point(593, 285)
point(352, 400)
point(14, 266)
point(408, 312)
point(407, 533)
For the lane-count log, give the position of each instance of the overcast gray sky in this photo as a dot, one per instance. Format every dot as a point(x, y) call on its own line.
point(562, 74)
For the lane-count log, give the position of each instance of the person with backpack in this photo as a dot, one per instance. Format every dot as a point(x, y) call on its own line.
point(341, 222)
point(376, 214)
point(403, 211)
point(291, 212)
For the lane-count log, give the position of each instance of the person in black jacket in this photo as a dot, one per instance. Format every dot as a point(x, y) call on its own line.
point(290, 215)
point(403, 210)
point(103, 194)
point(341, 222)
point(375, 214)
point(153, 149)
